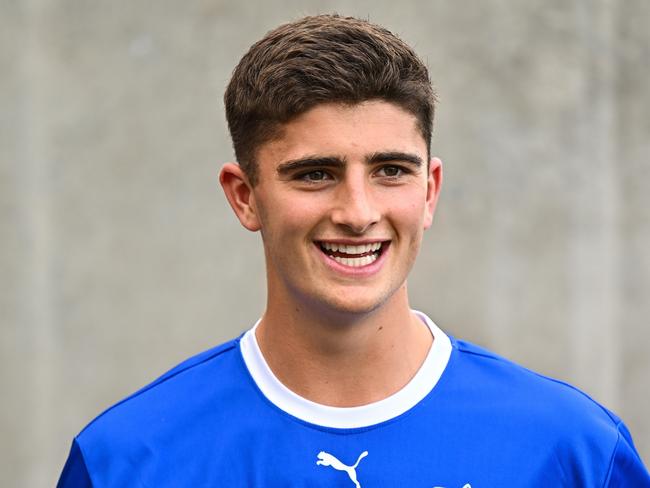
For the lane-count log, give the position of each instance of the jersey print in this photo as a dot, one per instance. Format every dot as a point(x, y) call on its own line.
point(326, 459)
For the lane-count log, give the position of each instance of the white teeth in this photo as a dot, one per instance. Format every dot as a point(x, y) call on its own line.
point(356, 262)
point(349, 249)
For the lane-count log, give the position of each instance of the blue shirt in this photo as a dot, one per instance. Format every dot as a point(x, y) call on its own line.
point(468, 419)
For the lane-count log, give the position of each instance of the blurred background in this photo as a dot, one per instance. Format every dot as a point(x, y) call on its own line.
point(119, 256)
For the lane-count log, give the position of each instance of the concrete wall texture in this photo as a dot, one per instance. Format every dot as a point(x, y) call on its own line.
point(119, 256)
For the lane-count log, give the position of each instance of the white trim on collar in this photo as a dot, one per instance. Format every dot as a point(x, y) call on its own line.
point(349, 417)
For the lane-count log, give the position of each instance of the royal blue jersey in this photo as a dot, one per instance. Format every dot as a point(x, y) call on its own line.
point(468, 419)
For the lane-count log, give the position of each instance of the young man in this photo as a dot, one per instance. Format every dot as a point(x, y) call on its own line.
point(340, 383)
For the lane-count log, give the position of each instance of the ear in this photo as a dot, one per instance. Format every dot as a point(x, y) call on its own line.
point(434, 181)
point(239, 193)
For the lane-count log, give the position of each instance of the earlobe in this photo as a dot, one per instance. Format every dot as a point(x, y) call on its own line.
point(239, 193)
point(434, 182)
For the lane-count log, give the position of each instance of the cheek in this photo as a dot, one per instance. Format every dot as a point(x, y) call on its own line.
point(289, 217)
point(301, 211)
point(408, 209)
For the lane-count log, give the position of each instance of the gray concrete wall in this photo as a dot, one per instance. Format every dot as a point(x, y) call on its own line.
point(119, 256)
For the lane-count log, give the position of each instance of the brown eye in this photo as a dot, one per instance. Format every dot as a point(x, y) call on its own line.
point(315, 176)
point(391, 171)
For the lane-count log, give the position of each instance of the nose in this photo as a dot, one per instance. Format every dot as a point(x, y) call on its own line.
point(355, 208)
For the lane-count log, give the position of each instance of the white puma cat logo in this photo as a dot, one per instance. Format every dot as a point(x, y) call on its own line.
point(326, 459)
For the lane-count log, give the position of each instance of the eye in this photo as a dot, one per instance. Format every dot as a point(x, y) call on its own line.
point(314, 176)
point(391, 171)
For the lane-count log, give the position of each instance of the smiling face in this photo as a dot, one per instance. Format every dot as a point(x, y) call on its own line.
point(343, 197)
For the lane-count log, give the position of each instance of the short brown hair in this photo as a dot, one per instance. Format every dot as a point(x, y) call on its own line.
point(321, 59)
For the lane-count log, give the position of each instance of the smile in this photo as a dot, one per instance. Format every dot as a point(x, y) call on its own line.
point(354, 256)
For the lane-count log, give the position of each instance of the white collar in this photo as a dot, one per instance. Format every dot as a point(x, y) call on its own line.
point(349, 417)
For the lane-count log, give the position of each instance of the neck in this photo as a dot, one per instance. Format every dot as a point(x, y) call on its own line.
point(344, 359)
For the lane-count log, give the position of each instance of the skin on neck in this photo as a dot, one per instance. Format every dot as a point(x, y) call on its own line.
point(343, 359)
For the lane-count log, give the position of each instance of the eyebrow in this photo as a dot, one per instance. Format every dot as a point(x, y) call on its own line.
point(394, 156)
point(310, 162)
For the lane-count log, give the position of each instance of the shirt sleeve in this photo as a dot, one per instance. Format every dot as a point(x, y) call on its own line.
point(626, 467)
point(75, 473)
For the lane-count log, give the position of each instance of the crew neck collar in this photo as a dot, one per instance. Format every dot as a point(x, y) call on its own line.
point(374, 413)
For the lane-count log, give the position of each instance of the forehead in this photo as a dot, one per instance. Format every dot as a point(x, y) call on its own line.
point(346, 131)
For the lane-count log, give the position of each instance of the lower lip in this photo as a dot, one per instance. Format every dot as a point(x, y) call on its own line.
point(356, 271)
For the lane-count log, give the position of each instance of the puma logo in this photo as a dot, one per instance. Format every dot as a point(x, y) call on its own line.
point(326, 459)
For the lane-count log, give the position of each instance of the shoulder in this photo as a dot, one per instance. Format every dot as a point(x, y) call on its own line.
point(528, 391)
point(588, 441)
point(205, 379)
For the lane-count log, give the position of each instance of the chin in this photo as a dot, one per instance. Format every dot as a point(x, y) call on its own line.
point(350, 305)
